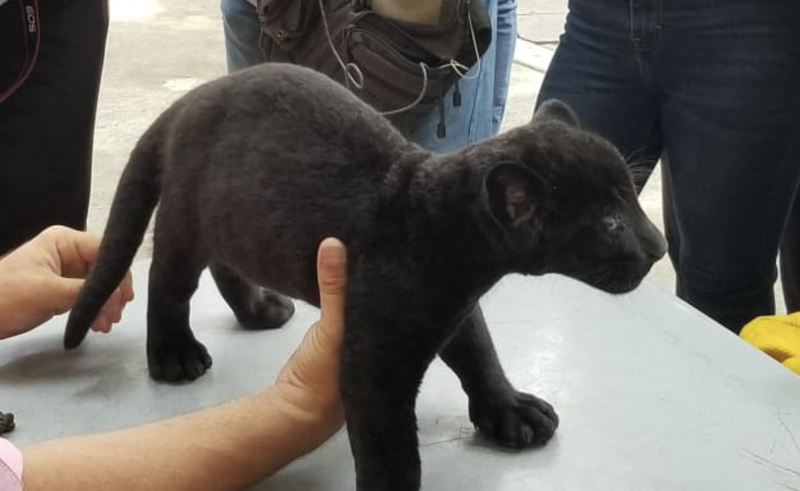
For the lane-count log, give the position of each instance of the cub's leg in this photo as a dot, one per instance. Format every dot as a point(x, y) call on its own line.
point(506, 416)
point(383, 360)
point(255, 307)
point(173, 353)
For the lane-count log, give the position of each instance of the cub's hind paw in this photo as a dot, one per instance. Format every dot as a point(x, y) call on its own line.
point(178, 362)
point(268, 310)
point(6, 423)
point(515, 420)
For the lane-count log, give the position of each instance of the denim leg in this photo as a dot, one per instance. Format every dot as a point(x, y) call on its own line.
point(607, 81)
point(242, 34)
point(47, 124)
point(472, 120)
point(713, 86)
point(505, 43)
point(790, 259)
point(730, 107)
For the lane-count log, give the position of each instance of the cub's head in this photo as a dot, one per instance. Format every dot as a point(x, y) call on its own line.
point(561, 200)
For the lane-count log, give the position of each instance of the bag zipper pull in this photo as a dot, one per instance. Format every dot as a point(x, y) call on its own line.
point(456, 96)
point(441, 129)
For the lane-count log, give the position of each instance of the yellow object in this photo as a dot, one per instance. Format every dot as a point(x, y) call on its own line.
point(778, 336)
point(793, 364)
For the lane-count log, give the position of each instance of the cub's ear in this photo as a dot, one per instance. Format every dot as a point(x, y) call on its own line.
point(512, 196)
point(555, 110)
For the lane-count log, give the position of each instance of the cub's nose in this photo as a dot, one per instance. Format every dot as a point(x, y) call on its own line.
point(655, 245)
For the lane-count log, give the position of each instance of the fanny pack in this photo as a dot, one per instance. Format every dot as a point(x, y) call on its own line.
point(19, 37)
point(400, 56)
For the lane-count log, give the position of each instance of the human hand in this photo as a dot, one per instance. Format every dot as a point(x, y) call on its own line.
point(42, 278)
point(309, 382)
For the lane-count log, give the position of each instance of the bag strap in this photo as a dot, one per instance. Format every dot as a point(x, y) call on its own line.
point(447, 13)
point(28, 44)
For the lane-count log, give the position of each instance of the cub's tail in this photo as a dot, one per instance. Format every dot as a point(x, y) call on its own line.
point(136, 197)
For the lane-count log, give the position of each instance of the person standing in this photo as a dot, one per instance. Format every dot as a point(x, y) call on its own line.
point(483, 90)
point(710, 89)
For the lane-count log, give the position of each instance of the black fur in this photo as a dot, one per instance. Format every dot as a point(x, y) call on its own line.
point(253, 170)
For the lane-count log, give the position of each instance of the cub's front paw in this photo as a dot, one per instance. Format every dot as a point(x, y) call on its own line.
point(178, 361)
point(515, 419)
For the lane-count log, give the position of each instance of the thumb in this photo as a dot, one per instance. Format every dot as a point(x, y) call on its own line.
point(332, 279)
point(63, 293)
point(322, 342)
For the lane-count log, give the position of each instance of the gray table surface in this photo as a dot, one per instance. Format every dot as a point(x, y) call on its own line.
point(651, 394)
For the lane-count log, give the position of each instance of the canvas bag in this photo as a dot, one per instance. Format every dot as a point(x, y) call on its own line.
point(400, 56)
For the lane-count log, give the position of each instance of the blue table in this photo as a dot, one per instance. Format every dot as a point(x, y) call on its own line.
point(652, 395)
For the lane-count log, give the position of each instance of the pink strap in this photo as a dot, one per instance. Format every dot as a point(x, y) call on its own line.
point(10, 467)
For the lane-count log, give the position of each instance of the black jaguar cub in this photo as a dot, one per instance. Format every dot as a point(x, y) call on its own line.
point(251, 171)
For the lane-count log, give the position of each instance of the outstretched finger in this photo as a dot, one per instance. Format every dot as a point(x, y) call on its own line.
point(126, 288)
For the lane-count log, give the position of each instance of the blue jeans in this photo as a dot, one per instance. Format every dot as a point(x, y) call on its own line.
point(242, 34)
point(713, 90)
point(483, 96)
point(47, 123)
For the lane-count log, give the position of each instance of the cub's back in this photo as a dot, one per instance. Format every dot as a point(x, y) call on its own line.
point(282, 126)
point(276, 154)
point(284, 110)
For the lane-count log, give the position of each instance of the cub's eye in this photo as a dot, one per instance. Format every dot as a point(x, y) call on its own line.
point(614, 223)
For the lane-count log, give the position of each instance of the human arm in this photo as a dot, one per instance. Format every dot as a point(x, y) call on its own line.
point(223, 448)
point(42, 277)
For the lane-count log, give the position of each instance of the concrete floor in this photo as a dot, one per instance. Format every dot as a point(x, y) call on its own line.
point(157, 50)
